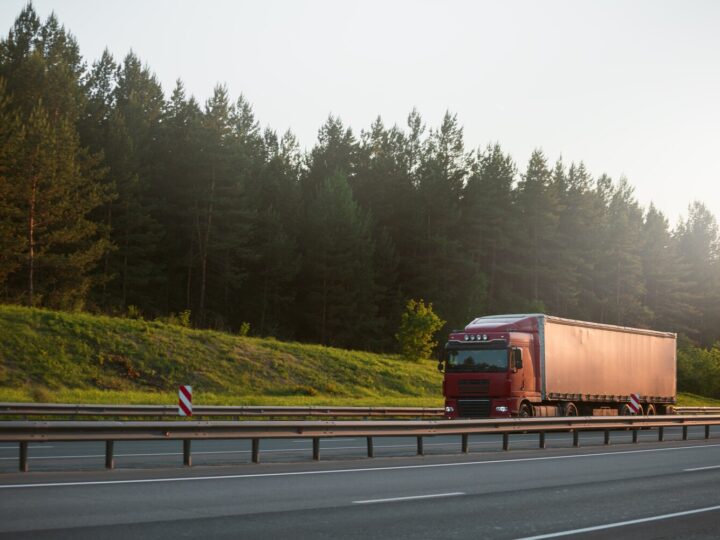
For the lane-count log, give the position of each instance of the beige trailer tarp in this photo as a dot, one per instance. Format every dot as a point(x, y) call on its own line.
point(602, 360)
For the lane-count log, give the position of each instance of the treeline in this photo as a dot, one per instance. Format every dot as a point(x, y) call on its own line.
point(116, 199)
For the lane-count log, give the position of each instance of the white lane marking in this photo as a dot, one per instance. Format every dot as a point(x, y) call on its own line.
point(622, 523)
point(345, 471)
point(416, 497)
point(702, 468)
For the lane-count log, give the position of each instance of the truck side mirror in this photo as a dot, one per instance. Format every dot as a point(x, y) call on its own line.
point(517, 357)
point(441, 366)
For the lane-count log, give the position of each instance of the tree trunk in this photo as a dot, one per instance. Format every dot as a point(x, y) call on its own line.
point(31, 242)
point(204, 250)
point(126, 245)
point(493, 269)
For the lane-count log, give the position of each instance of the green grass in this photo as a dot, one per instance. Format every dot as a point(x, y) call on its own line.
point(685, 399)
point(49, 356)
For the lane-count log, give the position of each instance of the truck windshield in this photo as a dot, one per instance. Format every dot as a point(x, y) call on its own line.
point(484, 361)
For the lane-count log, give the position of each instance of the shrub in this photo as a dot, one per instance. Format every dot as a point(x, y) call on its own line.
point(133, 312)
point(699, 370)
point(418, 325)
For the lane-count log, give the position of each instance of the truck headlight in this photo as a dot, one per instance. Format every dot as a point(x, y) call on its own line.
point(449, 409)
point(501, 408)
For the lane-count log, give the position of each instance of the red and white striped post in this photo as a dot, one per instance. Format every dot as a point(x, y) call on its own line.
point(185, 401)
point(634, 403)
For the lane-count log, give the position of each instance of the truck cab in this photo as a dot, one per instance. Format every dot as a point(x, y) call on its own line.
point(490, 369)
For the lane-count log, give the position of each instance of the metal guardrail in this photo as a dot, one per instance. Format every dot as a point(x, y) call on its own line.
point(696, 410)
point(205, 411)
point(237, 412)
point(24, 432)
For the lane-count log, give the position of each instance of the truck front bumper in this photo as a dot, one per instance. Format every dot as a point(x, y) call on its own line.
point(478, 408)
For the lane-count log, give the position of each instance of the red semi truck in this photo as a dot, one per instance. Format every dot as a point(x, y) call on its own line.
point(539, 365)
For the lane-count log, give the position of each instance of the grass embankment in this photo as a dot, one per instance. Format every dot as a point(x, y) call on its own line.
point(685, 399)
point(48, 356)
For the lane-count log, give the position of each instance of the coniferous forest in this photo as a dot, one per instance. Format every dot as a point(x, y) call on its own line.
point(115, 198)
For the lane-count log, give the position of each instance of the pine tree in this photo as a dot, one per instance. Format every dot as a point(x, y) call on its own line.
point(13, 241)
point(275, 193)
point(666, 277)
point(383, 187)
point(52, 181)
point(487, 218)
point(55, 186)
point(441, 176)
point(179, 186)
point(698, 241)
point(620, 270)
point(127, 108)
point(337, 276)
point(574, 246)
point(537, 216)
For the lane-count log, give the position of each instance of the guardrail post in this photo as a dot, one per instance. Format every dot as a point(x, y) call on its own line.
point(607, 436)
point(24, 457)
point(576, 438)
point(684, 433)
point(542, 440)
point(465, 441)
point(635, 436)
point(256, 450)
point(109, 458)
point(661, 434)
point(316, 449)
point(187, 456)
point(506, 441)
point(707, 432)
point(371, 450)
point(420, 451)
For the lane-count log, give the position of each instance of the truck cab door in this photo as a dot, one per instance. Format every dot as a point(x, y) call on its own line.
point(517, 372)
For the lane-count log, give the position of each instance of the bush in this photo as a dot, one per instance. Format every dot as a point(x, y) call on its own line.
point(133, 312)
point(418, 325)
point(180, 319)
point(699, 371)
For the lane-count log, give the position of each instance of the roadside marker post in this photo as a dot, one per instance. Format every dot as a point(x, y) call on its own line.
point(185, 401)
point(634, 403)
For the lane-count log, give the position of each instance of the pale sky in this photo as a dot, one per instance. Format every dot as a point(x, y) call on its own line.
point(632, 88)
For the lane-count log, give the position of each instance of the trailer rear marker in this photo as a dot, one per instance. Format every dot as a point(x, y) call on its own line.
point(414, 498)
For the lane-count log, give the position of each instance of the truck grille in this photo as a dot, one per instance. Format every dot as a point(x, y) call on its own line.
point(474, 408)
point(471, 387)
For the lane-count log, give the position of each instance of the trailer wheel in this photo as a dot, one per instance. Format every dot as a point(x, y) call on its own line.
point(571, 410)
point(625, 410)
point(525, 411)
point(650, 410)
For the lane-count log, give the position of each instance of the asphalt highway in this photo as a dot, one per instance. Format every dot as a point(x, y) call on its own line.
point(646, 490)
